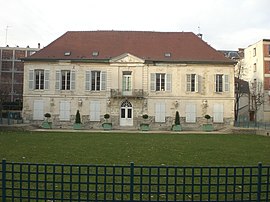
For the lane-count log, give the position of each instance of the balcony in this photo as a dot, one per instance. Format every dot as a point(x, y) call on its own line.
point(119, 93)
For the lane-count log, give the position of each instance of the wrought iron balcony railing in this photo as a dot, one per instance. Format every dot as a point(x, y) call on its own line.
point(118, 93)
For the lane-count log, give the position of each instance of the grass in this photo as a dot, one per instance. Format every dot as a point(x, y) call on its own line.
point(141, 148)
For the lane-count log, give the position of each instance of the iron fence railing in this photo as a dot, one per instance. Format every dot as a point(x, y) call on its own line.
point(252, 124)
point(57, 182)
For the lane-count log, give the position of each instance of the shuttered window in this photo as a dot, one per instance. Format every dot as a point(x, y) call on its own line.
point(190, 113)
point(65, 80)
point(39, 79)
point(222, 83)
point(160, 112)
point(38, 113)
point(192, 83)
point(95, 111)
point(64, 111)
point(160, 82)
point(218, 113)
point(95, 80)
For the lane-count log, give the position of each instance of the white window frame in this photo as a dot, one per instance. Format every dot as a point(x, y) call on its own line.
point(160, 113)
point(102, 81)
point(167, 83)
point(68, 85)
point(95, 110)
point(192, 83)
point(221, 79)
point(33, 80)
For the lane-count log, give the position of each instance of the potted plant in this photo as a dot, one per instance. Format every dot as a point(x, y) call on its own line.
point(47, 123)
point(208, 126)
point(107, 125)
point(144, 126)
point(177, 126)
point(78, 124)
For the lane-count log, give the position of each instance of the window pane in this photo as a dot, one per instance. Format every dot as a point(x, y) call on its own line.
point(129, 113)
point(123, 113)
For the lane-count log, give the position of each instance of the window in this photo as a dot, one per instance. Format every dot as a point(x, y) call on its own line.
point(218, 113)
point(65, 80)
point(39, 79)
point(191, 113)
point(161, 82)
point(95, 80)
point(160, 112)
point(64, 114)
point(221, 83)
point(254, 51)
point(38, 111)
point(192, 83)
point(254, 67)
point(94, 111)
point(268, 49)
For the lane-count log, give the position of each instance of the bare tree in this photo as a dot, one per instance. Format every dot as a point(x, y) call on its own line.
point(240, 88)
point(4, 93)
point(256, 98)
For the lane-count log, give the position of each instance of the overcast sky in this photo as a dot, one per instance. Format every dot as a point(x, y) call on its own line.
point(225, 24)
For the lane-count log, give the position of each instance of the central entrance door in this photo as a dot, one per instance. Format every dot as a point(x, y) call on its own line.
point(126, 114)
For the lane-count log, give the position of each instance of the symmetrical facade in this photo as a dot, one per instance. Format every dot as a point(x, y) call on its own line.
point(11, 71)
point(126, 75)
point(257, 67)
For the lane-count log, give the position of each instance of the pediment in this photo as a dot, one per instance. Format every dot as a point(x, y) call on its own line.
point(126, 58)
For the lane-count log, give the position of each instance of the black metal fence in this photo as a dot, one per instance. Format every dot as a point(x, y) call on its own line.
point(252, 124)
point(57, 182)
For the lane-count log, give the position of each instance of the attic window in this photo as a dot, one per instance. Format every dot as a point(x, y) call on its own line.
point(95, 53)
point(167, 54)
point(67, 53)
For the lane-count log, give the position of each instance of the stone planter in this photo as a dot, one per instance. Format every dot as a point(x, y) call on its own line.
point(77, 126)
point(208, 127)
point(144, 126)
point(107, 126)
point(176, 128)
point(46, 125)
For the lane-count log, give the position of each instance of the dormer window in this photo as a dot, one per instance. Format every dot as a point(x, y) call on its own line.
point(167, 55)
point(67, 53)
point(95, 53)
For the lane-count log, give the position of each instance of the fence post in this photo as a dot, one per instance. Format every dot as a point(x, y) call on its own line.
point(131, 180)
point(4, 180)
point(259, 181)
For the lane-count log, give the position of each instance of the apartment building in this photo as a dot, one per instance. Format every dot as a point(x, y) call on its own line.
point(11, 71)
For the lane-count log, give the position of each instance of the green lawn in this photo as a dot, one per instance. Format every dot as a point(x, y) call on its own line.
point(141, 148)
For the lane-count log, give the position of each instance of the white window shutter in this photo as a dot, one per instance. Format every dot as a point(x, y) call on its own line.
point(57, 80)
point(94, 111)
point(218, 113)
point(188, 83)
point(215, 83)
point(87, 80)
point(160, 112)
point(38, 110)
point(64, 114)
point(72, 80)
point(31, 79)
point(168, 82)
point(103, 80)
point(197, 83)
point(46, 80)
point(191, 113)
point(153, 82)
point(226, 83)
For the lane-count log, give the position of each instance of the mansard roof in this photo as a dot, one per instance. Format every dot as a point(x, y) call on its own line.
point(149, 46)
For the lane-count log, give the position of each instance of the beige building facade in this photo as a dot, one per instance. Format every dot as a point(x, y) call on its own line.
point(257, 67)
point(128, 85)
